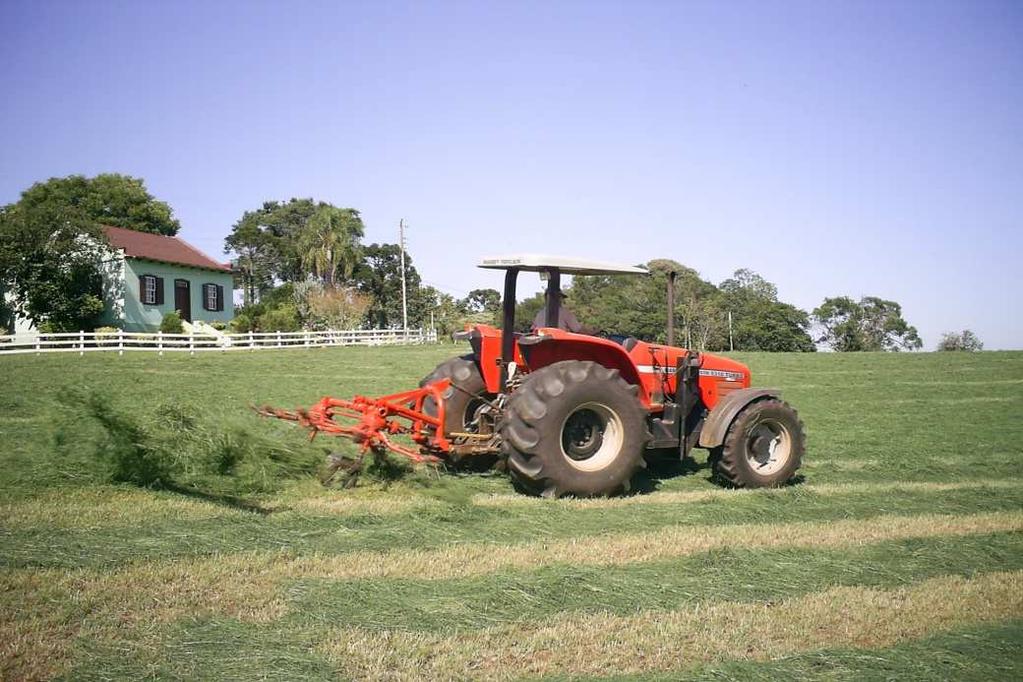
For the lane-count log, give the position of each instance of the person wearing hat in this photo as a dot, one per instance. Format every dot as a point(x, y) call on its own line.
point(566, 319)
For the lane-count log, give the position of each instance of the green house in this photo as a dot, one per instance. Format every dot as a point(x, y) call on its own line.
point(149, 275)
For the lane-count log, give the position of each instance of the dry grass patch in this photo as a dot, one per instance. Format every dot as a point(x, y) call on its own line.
point(341, 504)
point(676, 497)
point(596, 644)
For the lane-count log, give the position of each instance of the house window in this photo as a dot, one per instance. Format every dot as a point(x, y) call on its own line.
point(212, 297)
point(150, 289)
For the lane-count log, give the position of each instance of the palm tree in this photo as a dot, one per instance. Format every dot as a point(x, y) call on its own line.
point(329, 243)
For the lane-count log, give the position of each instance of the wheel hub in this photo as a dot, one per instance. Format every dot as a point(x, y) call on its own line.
point(592, 436)
point(583, 434)
point(768, 446)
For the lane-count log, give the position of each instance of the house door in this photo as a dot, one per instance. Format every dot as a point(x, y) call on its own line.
point(183, 299)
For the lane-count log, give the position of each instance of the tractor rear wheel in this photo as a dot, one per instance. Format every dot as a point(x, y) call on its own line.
point(763, 447)
point(574, 428)
point(464, 399)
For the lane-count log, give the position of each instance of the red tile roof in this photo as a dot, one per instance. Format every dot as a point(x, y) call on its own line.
point(160, 248)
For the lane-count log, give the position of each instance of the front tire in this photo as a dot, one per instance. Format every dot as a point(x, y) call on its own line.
point(463, 399)
point(574, 428)
point(763, 448)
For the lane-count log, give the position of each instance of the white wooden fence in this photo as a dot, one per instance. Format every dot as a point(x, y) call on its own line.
point(88, 342)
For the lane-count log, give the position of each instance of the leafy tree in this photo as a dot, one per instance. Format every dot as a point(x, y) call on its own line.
point(870, 324)
point(638, 306)
point(107, 199)
point(965, 340)
point(329, 243)
point(746, 282)
point(50, 255)
point(379, 275)
point(448, 314)
point(525, 312)
point(483, 301)
point(290, 241)
point(760, 322)
point(257, 256)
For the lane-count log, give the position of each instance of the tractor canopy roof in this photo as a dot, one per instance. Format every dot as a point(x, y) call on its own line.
point(534, 262)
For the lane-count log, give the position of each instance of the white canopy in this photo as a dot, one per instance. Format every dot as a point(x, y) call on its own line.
point(534, 262)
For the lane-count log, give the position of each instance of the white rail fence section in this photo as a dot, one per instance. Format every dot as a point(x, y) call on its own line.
point(119, 342)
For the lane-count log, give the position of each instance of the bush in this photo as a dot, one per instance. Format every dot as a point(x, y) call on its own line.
point(105, 331)
point(335, 308)
point(219, 325)
point(965, 341)
point(281, 319)
point(171, 323)
point(242, 324)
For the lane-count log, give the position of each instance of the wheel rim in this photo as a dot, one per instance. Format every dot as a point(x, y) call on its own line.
point(591, 437)
point(768, 447)
point(471, 417)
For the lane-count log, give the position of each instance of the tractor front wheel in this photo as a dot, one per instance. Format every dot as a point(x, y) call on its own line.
point(574, 428)
point(763, 447)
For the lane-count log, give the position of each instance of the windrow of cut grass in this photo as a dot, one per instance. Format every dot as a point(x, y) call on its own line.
point(135, 604)
point(445, 525)
point(592, 644)
point(92, 508)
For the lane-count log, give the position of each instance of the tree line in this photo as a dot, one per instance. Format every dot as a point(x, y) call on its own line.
point(301, 263)
point(743, 312)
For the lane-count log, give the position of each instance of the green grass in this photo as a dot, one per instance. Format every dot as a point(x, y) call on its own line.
point(118, 469)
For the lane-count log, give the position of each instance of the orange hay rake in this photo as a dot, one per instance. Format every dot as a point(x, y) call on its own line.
point(373, 422)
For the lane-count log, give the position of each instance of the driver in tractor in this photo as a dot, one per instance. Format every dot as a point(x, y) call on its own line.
point(566, 318)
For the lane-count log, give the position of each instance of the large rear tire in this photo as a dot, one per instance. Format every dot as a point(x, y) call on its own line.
point(763, 448)
point(463, 399)
point(574, 428)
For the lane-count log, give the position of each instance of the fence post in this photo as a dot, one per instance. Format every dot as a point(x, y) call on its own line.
point(81, 342)
point(38, 342)
point(191, 341)
point(159, 341)
point(251, 346)
point(306, 337)
point(120, 342)
point(278, 338)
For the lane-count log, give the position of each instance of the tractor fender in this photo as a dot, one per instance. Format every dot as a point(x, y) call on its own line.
point(556, 345)
point(716, 424)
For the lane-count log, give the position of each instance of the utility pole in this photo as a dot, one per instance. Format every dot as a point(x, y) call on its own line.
point(404, 296)
point(731, 346)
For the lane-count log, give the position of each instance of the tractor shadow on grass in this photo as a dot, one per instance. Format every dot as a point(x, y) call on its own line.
point(664, 468)
point(219, 499)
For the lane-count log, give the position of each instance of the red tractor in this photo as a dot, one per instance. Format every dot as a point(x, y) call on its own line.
point(571, 413)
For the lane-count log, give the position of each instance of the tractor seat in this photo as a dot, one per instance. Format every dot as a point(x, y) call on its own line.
point(629, 342)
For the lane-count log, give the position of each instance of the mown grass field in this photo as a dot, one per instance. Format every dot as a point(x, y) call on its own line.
point(898, 555)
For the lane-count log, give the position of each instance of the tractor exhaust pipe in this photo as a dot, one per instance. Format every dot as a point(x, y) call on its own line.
point(671, 308)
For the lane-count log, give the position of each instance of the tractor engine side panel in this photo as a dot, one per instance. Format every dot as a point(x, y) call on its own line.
point(718, 376)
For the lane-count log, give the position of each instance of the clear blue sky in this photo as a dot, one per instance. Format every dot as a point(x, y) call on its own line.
point(866, 148)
